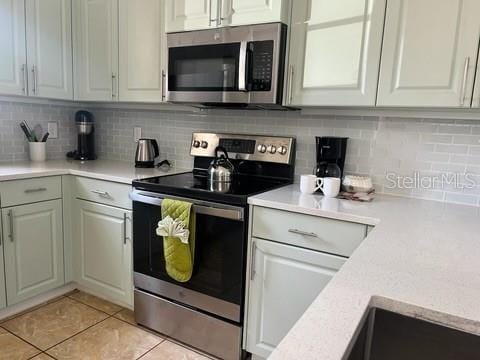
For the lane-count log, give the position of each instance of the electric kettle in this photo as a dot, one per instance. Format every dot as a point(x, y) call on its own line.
point(147, 151)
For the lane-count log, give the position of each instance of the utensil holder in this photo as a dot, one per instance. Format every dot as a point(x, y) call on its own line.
point(37, 151)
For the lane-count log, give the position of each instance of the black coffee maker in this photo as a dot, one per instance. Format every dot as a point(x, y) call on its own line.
point(331, 152)
point(86, 137)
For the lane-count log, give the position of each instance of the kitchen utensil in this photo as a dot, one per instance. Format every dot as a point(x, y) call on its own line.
point(32, 134)
point(220, 169)
point(45, 137)
point(38, 132)
point(26, 132)
point(147, 151)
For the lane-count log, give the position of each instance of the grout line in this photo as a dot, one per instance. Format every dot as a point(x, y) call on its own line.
point(27, 311)
point(161, 342)
point(23, 340)
point(51, 347)
point(91, 306)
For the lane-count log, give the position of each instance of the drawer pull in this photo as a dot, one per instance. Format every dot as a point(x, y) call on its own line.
point(303, 233)
point(31, 191)
point(101, 193)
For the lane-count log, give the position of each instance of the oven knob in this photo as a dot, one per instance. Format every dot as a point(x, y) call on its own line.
point(272, 149)
point(196, 144)
point(204, 144)
point(282, 150)
point(261, 148)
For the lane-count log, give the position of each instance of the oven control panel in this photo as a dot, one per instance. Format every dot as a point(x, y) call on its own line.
point(276, 149)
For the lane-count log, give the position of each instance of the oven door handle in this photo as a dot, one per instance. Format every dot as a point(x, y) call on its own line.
point(242, 67)
point(216, 210)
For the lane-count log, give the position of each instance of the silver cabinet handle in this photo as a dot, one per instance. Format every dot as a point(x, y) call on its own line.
point(252, 262)
point(114, 80)
point(463, 91)
point(163, 84)
point(101, 193)
point(242, 67)
point(10, 218)
point(303, 233)
point(30, 191)
point(125, 236)
point(290, 84)
point(24, 78)
point(219, 12)
point(225, 17)
point(34, 76)
point(210, 14)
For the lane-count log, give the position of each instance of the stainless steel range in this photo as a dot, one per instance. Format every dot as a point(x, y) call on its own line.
point(207, 311)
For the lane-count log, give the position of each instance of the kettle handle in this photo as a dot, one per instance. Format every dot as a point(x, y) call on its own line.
point(222, 149)
point(155, 148)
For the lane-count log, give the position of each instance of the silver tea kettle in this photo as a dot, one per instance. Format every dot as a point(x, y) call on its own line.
point(221, 169)
point(147, 151)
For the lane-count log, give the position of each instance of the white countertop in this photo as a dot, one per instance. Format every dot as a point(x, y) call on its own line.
point(110, 170)
point(422, 259)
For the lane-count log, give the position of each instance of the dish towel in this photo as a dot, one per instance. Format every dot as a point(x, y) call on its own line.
point(178, 230)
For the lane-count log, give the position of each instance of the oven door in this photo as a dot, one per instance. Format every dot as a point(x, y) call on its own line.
point(217, 282)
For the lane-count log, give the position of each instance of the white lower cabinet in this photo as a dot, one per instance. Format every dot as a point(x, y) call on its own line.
point(102, 247)
point(33, 249)
point(284, 282)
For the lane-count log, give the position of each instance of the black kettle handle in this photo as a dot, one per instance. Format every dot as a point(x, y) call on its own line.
point(155, 148)
point(222, 149)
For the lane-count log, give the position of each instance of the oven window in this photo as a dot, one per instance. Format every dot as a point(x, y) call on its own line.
point(204, 68)
point(219, 253)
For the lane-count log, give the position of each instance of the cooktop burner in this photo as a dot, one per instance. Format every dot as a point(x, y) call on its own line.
point(197, 186)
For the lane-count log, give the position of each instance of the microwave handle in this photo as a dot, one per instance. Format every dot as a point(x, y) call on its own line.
point(242, 67)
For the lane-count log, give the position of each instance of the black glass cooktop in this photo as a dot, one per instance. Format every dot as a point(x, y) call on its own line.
point(197, 186)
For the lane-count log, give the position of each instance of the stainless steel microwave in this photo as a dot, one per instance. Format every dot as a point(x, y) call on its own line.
point(241, 65)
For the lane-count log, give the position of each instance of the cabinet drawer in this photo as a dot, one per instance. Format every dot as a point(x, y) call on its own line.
point(311, 232)
point(103, 192)
point(17, 192)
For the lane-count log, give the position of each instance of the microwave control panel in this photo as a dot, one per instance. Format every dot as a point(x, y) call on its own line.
point(261, 62)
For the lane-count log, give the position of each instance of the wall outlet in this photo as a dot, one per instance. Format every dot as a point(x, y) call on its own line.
point(137, 133)
point(52, 130)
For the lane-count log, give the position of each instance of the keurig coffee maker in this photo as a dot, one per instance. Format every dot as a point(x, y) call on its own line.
point(331, 153)
point(86, 137)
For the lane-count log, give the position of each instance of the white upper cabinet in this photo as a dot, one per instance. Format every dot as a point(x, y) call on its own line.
point(96, 49)
point(429, 53)
point(13, 59)
point(335, 52)
point(245, 12)
point(185, 15)
point(49, 48)
point(141, 42)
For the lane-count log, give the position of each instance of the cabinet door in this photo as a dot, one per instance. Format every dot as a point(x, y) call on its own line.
point(49, 48)
point(294, 275)
point(429, 53)
point(96, 49)
point(103, 250)
point(33, 246)
point(3, 296)
point(13, 59)
point(141, 50)
point(185, 15)
point(476, 92)
point(246, 12)
point(335, 52)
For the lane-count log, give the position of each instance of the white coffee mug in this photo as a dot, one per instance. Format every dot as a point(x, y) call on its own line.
point(309, 184)
point(330, 186)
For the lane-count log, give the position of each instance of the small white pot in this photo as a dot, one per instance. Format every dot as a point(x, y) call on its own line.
point(38, 151)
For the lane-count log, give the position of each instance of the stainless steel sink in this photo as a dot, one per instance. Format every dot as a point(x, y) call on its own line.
point(386, 335)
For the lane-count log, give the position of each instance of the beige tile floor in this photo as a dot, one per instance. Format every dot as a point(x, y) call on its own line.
point(82, 326)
